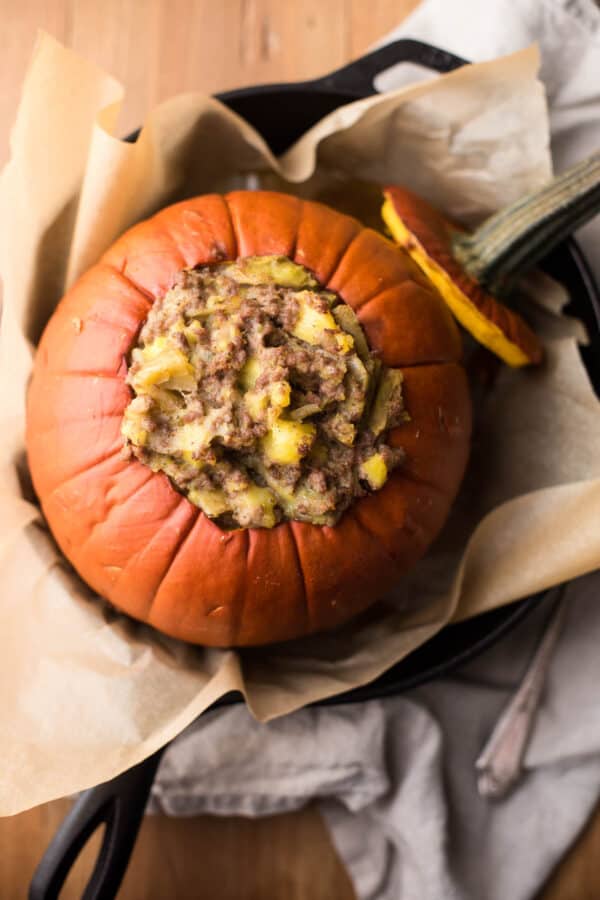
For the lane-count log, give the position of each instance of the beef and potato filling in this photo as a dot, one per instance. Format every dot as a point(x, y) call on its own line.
point(256, 393)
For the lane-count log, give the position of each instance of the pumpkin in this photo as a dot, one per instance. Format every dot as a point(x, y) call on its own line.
point(144, 546)
point(428, 237)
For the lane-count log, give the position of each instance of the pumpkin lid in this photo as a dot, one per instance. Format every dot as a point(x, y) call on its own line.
point(428, 237)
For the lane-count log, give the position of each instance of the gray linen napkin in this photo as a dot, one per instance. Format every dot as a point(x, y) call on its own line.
point(396, 779)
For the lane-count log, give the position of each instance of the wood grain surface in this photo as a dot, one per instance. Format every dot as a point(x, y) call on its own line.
point(157, 48)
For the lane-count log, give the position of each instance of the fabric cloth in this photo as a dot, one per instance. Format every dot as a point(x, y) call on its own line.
point(395, 779)
point(568, 35)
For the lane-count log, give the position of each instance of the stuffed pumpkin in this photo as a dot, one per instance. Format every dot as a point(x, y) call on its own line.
point(248, 420)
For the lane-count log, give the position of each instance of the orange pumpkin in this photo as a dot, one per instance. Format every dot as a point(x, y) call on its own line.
point(146, 548)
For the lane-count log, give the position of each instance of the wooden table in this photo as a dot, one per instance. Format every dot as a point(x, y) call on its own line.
point(157, 48)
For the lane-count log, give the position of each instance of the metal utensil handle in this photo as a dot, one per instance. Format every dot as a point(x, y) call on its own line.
point(359, 76)
point(118, 804)
point(500, 763)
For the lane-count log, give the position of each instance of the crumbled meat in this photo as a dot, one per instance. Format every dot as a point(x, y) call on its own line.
point(258, 398)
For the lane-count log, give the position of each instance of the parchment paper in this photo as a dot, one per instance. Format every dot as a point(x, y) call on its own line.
point(87, 693)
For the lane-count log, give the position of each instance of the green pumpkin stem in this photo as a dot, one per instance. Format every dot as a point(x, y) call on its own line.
point(514, 239)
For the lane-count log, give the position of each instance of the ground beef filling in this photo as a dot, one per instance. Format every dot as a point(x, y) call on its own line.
point(256, 393)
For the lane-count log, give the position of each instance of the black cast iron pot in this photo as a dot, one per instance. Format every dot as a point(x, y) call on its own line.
point(282, 113)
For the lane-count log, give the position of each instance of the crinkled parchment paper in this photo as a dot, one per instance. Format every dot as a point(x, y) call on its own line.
point(87, 693)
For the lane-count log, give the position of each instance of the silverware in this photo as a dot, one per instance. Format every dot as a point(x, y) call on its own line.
point(500, 763)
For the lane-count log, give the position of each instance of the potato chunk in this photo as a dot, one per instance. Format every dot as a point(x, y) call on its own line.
point(212, 502)
point(374, 471)
point(266, 404)
point(162, 363)
point(133, 429)
point(250, 372)
point(192, 437)
point(255, 506)
point(287, 442)
point(318, 327)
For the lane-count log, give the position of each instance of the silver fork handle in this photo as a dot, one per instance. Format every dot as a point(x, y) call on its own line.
point(500, 763)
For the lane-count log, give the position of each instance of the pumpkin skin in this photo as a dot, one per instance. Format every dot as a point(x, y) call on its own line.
point(142, 545)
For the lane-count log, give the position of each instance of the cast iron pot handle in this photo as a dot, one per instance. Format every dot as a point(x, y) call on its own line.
point(358, 77)
point(118, 804)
